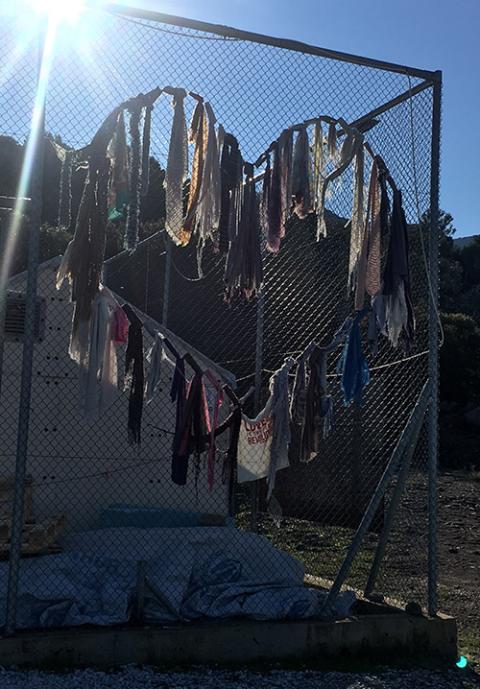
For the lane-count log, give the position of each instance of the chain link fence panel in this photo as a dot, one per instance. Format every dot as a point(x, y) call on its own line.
point(111, 491)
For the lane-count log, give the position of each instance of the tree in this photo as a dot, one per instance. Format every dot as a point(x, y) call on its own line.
point(460, 360)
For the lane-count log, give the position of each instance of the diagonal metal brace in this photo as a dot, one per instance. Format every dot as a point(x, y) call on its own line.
point(372, 508)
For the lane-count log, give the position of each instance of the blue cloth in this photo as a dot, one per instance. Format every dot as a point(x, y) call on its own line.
point(352, 365)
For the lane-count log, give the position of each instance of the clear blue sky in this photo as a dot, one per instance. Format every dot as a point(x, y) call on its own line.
point(429, 34)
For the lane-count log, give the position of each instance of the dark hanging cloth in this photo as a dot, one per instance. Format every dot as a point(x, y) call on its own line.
point(318, 406)
point(178, 394)
point(272, 200)
point(231, 165)
point(244, 271)
point(65, 197)
point(118, 187)
point(396, 278)
point(134, 376)
point(147, 126)
point(83, 259)
point(301, 172)
point(192, 431)
point(134, 179)
point(352, 365)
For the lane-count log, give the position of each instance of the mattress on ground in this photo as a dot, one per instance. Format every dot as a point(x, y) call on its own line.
point(190, 574)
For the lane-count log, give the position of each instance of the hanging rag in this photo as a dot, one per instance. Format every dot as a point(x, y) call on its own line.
point(397, 296)
point(197, 135)
point(134, 375)
point(318, 172)
point(298, 399)
point(244, 271)
point(231, 166)
point(281, 436)
point(177, 168)
point(272, 200)
point(178, 394)
point(360, 229)
point(217, 403)
point(376, 227)
point(83, 258)
point(263, 441)
point(208, 210)
point(155, 357)
point(301, 175)
point(134, 177)
point(351, 145)
point(66, 157)
point(193, 431)
point(98, 381)
point(319, 384)
point(120, 326)
point(65, 195)
point(146, 140)
point(285, 156)
point(318, 408)
point(352, 365)
point(332, 141)
point(118, 192)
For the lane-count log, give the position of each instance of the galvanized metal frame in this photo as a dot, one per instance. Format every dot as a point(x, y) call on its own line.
point(430, 80)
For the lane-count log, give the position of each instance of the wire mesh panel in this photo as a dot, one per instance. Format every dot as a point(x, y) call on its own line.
point(128, 540)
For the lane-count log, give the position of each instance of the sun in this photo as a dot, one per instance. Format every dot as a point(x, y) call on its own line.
point(59, 10)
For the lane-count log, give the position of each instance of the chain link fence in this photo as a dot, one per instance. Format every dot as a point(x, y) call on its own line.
point(88, 489)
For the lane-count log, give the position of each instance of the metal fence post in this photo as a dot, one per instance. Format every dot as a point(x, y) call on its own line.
point(37, 141)
point(433, 349)
point(257, 397)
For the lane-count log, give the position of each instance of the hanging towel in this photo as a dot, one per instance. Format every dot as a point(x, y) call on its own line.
point(177, 167)
point(98, 381)
point(155, 358)
point(301, 175)
point(197, 135)
point(134, 376)
point(352, 365)
point(399, 311)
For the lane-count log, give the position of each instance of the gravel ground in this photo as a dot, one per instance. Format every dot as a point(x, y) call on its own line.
point(149, 678)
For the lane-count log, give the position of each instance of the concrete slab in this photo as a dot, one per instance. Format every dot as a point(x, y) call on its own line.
point(376, 636)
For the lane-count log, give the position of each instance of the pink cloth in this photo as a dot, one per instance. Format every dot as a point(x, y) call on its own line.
point(120, 326)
